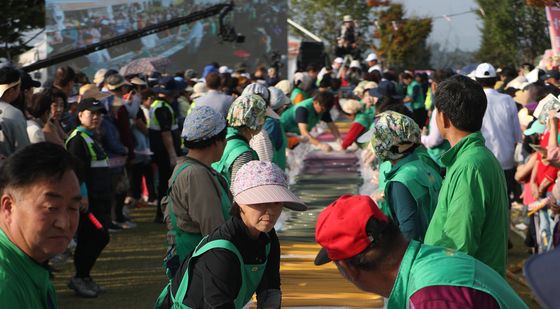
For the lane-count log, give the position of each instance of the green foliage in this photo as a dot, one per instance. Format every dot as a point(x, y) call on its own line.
point(405, 46)
point(18, 17)
point(512, 32)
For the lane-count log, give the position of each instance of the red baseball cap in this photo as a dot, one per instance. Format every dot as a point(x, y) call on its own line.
point(341, 228)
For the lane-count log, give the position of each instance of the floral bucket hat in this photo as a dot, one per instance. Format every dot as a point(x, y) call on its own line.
point(248, 111)
point(394, 134)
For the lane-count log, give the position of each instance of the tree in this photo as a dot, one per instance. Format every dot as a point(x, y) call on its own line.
point(19, 17)
point(532, 32)
point(402, 42)
point(512, 32)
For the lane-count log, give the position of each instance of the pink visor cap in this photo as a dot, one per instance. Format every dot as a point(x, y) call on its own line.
point(259, 182)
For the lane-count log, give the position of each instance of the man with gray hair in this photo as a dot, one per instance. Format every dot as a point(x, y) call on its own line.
point(40, 204)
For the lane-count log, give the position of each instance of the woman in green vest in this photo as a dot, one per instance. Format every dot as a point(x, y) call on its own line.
point(411, 185)
point(241, 257)
point(245, 119)
point(361, 121)
point(198, 199)
point(369, 251)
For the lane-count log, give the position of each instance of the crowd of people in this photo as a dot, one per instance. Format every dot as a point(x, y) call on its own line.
point(209, 152)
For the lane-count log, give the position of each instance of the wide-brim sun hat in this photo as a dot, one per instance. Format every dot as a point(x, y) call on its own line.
point(91, 91)
point(115, 81)
point(260, 182)
point(351, 106)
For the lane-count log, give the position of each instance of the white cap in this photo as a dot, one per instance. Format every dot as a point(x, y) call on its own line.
point(485, 70)
point(224, 69)
point(355, 64)
point(371, 57)
point(347, 18)
point(339, 60)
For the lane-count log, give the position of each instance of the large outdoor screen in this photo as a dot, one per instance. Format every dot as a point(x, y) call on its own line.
point(73, 24)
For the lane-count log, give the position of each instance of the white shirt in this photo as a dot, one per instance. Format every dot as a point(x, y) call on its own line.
point(434, 138)
point(35, 132)
point(501, 128)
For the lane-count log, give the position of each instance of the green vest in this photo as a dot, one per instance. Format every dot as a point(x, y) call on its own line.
point(24, 283)
point(424, 266)
point(421, 180)
point(364, 119)
point(279, 155)
point(153, 122)
point(288, 118)
point(251, 275)
point(96, 161)
point(235, 147)
point(419, 102)
point(296, 92)
point(186, 242)
point(437, 152)
point(370, 112)
point(384, 167)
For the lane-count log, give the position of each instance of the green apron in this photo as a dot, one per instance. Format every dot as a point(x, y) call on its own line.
point(186, 242)
point(420, 179)
point(424, 266)
point(365, 119)
point(384, 167)
point(295, 93)
point(235, 147)
point(288, 118)
point(251, 276)
point(279, 155)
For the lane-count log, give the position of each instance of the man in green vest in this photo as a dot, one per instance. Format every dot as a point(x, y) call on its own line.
point(164, 135)
point(415, 99)
point(302, 118)
point(472, 211)
point(198, 199)
point(411, 185)
point(39, 210)
point(370, 252)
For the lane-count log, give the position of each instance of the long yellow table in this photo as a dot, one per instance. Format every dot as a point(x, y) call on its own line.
point(304, 284)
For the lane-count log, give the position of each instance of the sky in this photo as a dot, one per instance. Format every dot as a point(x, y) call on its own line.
point(462, 32)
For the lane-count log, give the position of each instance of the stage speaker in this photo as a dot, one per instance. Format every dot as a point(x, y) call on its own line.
point(311, 53)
